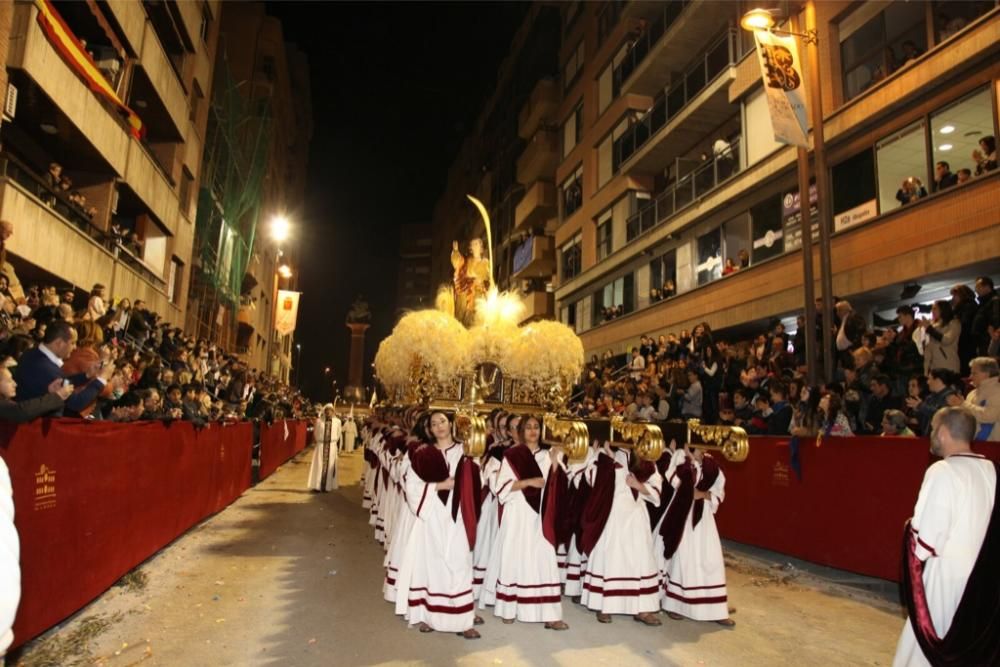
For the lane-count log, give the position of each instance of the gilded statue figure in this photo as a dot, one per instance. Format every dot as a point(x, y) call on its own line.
point(472, 279)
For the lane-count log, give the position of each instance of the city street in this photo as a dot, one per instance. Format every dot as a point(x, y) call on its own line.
point(288, 577)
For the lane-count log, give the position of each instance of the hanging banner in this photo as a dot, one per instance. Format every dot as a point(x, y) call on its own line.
point(287, 312)
point(69, 48)
point(781, 70)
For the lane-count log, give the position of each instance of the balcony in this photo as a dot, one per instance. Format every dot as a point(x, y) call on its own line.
point(147, 179)
point(540, 157)
point(91, 116)
point(535, 257)
point(694, 185)
point(540, 109)
point(539, 305)
point(539, 204)
point(695, 105)
point(157, 93)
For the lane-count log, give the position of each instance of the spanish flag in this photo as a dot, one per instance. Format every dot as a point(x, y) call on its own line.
point(69, 47)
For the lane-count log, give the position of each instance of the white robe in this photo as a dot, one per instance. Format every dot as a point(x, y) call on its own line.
point(678, 458)
point(350, 434)
point(622, 575)
point(522, 579)
point(434, 582)
point(323, 471)
point(488, 527)
point(695, 581)
point(10, 568)
point(400, 536)
point(950, 519)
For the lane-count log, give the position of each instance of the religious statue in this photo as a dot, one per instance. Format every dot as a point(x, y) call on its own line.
point(359, 311)
point(471, 279)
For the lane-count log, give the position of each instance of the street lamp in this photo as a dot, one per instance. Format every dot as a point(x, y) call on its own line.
point(280, 228)
point(298, 362)
point(764, 20)
point(285, 271)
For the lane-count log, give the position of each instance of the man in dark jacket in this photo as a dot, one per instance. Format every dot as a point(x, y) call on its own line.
point(18, 412)
point(39, 368)
point(781, 412)
point(987, 314)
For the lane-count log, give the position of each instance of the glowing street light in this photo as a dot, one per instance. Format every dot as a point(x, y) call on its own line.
point(280, 228)
point(757, 19)
point(285, 271)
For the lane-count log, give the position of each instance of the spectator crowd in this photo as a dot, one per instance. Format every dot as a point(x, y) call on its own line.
point(888, 379)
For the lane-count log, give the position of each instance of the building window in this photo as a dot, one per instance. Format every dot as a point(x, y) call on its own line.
point(736, 244)
point(572, 193)
point(767, 230)
point(877, 40)
point(608, 18)
point(901, 161)
point(174, 280)
point(663, 276)
point(853, 185)
point(206, 21)
point(615, 299)
point(709, 266)
point(956, 132)
point(951, 16)
point(604, 238)
point(607, 162)
point(573, 11)
point(184, 194)
point(571, 72)
point(569, 315)
point(571, 258)
point(572, 129)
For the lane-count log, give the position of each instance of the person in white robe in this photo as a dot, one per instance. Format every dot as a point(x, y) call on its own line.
point(434, 582)
point(576, 560)
point(487, 555)
point(350, 432)
point(622, 575)
point(695, 583)
point(10, 568)
point(402, 528)
point(523, 577)
point(949, 524)
point(326, 435)
point(489, 515)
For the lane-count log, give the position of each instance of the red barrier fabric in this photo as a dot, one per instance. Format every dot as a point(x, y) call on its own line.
point(277, 445)
point(95, 499)
point(846, 512)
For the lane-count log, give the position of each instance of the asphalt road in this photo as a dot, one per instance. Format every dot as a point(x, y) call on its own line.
point(288, 577)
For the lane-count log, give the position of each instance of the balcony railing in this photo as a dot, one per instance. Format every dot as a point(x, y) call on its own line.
point(16, 171)
point(713, 62)
point(723, 164)
point(646, 41)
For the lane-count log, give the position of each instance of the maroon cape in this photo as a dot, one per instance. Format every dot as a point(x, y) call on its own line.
point(974, 635)
point(550, 504)
point(601, 497)
point(430, 465)
point(672, 528)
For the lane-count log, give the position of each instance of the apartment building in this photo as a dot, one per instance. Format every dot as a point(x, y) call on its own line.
point(414, 290)
point(102, 136)
point(492, 166)
point(676, 206)
point(255, 161)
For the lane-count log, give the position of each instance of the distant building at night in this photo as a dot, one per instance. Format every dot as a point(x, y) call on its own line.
point(255, 158)
point(414, 290)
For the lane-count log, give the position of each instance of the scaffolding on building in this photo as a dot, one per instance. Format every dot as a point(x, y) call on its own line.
point(229, 201)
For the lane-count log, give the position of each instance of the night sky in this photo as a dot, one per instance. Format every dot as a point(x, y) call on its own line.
point(395, 88)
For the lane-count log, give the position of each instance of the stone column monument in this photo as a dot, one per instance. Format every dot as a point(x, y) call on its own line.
point(358, 318)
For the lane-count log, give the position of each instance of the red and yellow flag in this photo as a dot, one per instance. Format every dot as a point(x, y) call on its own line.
point(69, 47)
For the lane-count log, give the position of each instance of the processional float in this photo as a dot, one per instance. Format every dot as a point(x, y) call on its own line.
point(470, 357)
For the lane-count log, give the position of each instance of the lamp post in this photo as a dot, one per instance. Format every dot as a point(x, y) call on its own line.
point(280, 229)
point(763, 19)
point(298, 362)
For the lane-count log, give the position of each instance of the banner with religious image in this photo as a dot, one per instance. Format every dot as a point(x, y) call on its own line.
point(287, 312)
point(781, 69)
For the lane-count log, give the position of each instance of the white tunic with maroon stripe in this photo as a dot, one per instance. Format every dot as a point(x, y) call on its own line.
point(622, 575)
point(398, 539)
point(695, 581)
point(488, 527)
point(522, 580)
point(434, 582)
point(950, 520)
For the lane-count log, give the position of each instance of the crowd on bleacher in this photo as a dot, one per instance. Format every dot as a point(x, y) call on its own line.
point(888, 379)
point(116, 360)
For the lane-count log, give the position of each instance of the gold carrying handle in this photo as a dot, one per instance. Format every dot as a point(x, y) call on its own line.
point(573, 435)
point(645, 439)
point(470, 429)
point(732, 441)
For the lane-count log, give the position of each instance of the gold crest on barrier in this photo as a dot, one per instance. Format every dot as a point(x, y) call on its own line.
point(45, 488)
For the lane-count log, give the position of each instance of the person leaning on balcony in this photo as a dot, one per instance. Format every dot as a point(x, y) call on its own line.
point(983, 401)
point(941, 336)
point(14, 285)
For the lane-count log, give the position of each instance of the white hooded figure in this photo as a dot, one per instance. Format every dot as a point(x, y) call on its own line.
point(326, 436)
point(350, 433)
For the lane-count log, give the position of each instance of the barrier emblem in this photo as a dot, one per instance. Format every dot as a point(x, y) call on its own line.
point(45, 488)
point(779, 474)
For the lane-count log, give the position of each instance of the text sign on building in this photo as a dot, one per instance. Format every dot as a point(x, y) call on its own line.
point(791, 214)
point(855, 216)
point(781, 70)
